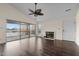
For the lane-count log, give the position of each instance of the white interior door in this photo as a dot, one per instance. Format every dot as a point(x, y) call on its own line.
point(69, 30)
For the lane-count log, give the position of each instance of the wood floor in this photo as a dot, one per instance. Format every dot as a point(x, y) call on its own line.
point(39, 47)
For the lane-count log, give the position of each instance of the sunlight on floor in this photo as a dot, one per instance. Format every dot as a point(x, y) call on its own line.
point(77, 42)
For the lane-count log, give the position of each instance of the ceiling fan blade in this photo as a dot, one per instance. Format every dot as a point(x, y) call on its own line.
point(30, 13)
point(38, 10)
point(31, 10)
point(40, 14)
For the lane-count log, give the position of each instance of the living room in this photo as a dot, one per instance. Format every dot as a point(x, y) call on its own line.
point(57, 34)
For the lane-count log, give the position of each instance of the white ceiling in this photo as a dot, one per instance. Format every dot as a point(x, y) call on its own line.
point(52, 11)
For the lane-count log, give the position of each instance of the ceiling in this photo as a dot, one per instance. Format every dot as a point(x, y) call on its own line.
point(52, 11)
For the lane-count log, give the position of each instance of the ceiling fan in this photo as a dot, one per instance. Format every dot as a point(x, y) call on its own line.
point(36, 12)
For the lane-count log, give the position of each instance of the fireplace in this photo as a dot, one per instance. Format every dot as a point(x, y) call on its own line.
point(49, 35)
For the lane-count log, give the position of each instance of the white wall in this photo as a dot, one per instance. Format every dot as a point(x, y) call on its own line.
point(77, 27)
point(9, 12)
point(52, 26)
point(67, 24)
point(2, 31)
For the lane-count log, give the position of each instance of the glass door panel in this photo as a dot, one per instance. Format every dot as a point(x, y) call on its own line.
point(32, 30)
point(24, 30)
point(13, 30)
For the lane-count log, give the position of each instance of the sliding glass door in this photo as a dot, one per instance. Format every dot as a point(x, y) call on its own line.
point(19, 30)
point(12, 30)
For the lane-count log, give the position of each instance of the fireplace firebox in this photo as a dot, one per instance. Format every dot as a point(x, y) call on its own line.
point(49, 35)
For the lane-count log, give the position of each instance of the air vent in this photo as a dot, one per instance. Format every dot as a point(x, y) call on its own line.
point(67, 10)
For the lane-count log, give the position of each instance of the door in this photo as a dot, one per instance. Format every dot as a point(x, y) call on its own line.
point(12, 30)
